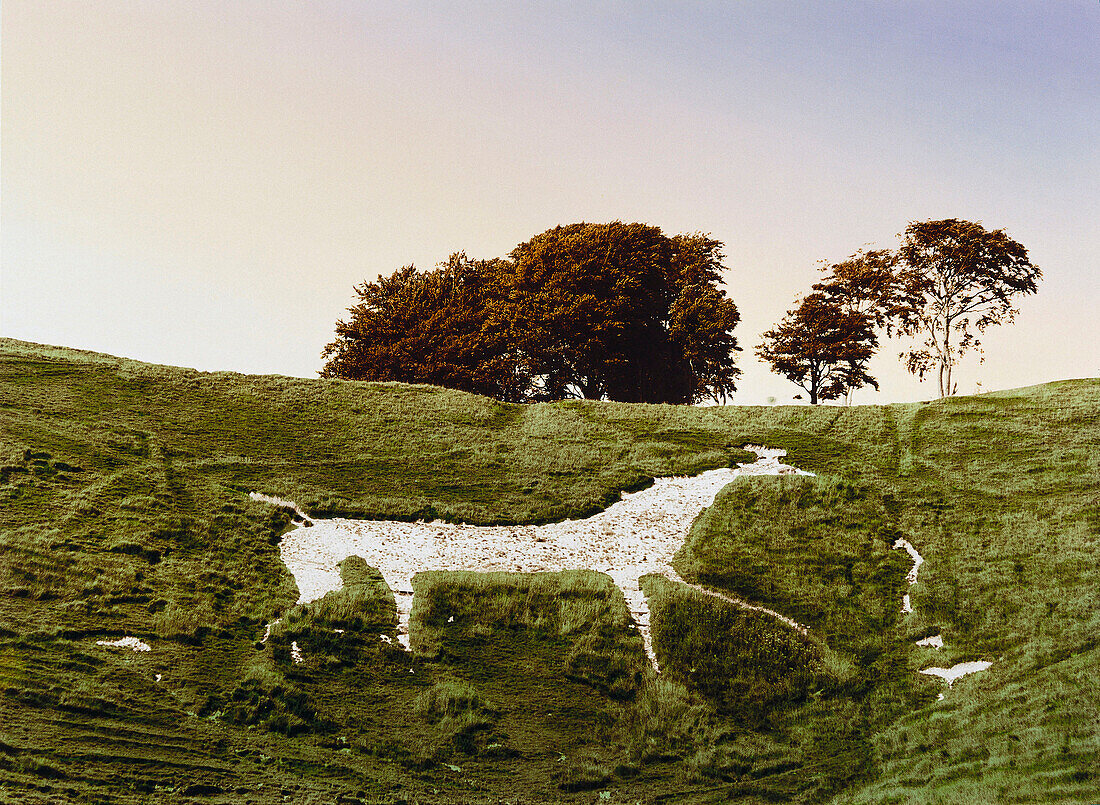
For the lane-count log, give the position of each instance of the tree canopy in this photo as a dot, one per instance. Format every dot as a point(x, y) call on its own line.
point(433, 327)
point(958, 277)
point(948, 279)
point(823, 347)
point(601, 311)
point(869, 282)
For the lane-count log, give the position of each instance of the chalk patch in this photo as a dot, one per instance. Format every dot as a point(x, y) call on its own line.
point(299, 515)
point(295, 652)
point(125, 642)
point(918, 560)
point(949, 675)
point(267, 631)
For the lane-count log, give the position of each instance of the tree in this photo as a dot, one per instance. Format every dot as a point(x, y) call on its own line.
point(616, 311)
point(620, 311)
point(701, 319)
point(960, 277)
point(869, 284)
point(439, 327)
point(585, 294)
point(822, 347)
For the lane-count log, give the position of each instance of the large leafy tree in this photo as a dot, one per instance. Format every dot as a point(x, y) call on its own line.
point(701, 319)
point(870, 284)
point(586, 295)
point(616, 311)
point(620, 311)
point(440, 327)
point(961, 279)
point(823, 347)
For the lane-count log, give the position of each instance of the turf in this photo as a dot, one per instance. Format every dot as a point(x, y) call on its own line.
point(124, 511)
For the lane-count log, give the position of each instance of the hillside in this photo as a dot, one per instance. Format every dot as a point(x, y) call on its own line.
point(124, 511)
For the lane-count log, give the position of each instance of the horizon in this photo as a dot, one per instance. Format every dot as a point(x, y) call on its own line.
point(202, 186)
point(837, 403)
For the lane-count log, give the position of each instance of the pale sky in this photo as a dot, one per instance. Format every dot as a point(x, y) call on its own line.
point(203, 183)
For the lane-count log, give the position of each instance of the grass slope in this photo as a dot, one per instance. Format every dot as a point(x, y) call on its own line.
point(124, 510)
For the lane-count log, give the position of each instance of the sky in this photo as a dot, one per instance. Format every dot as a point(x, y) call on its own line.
point(203, 184)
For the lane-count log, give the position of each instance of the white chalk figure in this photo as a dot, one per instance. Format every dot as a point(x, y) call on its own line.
point(126, 642)
point(634, 537)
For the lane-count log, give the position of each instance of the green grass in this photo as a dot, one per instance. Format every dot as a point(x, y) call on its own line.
point(124, 510)
point(363, 604)
point(816, 548)
point(581, 612)
point(744, 661)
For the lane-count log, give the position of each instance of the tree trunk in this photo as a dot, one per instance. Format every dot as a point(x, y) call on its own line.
point(945, 361)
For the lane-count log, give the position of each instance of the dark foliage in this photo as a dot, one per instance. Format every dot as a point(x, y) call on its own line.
point(599, 311)
point(434, 327)
point(822, 347)
point(870, 283)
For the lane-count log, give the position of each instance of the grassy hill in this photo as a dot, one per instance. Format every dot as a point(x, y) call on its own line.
point(124, 510)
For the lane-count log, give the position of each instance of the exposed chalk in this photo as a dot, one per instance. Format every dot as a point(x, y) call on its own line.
point(267, 631)
point(634, 537)
point(918, 560)
point(949, 675)
point(126, 642)
point(299, 515)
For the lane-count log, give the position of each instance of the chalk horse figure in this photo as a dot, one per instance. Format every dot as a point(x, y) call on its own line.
point(634, 537)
